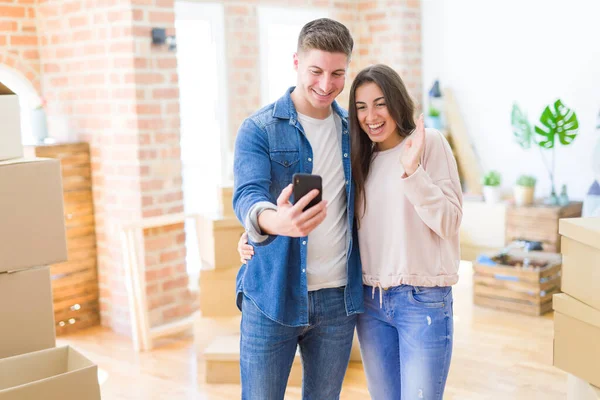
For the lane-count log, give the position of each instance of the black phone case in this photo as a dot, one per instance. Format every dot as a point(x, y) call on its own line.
point(304, 183)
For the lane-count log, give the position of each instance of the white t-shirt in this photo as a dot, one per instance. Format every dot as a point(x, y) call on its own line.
point(326, 253)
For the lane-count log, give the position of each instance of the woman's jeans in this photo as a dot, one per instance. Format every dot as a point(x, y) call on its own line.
point(406, 341)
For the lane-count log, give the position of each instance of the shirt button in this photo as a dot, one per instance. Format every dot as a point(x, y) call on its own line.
point(304, 242)
point(309, 159)
point(345, 155)
point(303, 270)
point(347, 181)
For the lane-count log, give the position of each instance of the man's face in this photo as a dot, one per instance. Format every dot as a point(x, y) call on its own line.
point(321, 77)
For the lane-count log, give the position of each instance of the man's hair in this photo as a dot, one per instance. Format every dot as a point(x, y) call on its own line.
point(327, 35)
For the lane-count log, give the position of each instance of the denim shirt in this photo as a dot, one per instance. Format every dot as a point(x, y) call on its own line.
point(270, 147)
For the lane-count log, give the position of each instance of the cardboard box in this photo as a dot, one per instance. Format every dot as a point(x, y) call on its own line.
point(226, 201)
point(10, 127)
point(577, 338)
point(478, 237)
point(581, 259)
point(27, 315)
point(578, 389)
point(54, 374)
point(217, 292)
point(217, 240)
point(32, 228)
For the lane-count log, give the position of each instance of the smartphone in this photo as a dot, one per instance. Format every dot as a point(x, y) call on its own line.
point(304, 183)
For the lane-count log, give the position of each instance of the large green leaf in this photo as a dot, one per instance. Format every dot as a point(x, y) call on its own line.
point(521, 127)
point(558, 120)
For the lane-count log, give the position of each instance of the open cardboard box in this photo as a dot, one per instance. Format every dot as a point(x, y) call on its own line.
point(60, 373)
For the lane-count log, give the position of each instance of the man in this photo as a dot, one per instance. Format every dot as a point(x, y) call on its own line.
point(303, 287)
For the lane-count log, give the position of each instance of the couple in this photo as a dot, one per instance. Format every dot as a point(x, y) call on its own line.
point(379, 252)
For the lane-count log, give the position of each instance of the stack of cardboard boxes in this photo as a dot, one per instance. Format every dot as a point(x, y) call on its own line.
point(32, 236)
point(577, 310)
point(218, 238)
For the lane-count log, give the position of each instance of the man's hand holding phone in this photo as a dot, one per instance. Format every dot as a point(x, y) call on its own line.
point(290, 219)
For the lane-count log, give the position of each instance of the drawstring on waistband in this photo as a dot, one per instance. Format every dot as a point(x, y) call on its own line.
point(380, 294)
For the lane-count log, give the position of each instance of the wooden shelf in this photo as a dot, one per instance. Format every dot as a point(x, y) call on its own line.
point(75, 282)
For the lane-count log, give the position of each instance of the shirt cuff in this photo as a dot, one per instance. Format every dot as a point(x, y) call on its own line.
point(251, 224)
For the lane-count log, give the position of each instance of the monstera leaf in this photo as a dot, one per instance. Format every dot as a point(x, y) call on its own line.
point(521, 128)
point(557, 120)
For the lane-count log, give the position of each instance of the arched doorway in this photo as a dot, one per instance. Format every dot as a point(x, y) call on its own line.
point(28, 98)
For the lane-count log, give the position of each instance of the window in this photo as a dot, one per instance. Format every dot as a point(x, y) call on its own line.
point(200, 44)
point(278, 33)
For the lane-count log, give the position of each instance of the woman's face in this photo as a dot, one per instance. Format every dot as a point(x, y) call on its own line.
point(374, 117)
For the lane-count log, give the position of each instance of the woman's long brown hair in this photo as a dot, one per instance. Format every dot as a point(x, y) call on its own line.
point(401, 109)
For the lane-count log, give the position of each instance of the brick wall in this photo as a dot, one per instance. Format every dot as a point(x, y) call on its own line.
point(105, 83)
point(390, 33)
point(384, 32)
point(19, 40)
point(242, 53)
point(158, 130)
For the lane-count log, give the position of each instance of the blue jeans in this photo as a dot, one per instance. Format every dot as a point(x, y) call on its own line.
point(406, 344)
point(267, 349)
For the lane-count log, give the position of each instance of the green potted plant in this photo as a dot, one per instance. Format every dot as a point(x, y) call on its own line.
point(433, 118)
point(524, 189)
point(556, 121)
point(491, 187)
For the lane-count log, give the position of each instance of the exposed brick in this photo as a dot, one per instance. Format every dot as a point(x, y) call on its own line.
point(161, 17)
point(8, 26)
point(78, 22)
point(23, 40)
point(166, 93)
point(175, 283)
point(12, 11)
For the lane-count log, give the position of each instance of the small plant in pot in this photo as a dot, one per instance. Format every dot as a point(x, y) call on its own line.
point(524, 190)
point(558, 125)
point(434, 118)
point(491, 187)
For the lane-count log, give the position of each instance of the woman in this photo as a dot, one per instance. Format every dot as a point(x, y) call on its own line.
point(409, 208)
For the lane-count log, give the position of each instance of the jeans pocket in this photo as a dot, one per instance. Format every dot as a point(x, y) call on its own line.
point(430, 297)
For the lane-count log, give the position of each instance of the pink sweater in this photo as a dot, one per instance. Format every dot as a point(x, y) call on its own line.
point(409, 232)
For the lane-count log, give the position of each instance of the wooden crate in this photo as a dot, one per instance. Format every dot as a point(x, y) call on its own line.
point(526, 290)
point(75, 282)
point(539, 223)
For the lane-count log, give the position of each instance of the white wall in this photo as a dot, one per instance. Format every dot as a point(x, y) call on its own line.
point(492, 53)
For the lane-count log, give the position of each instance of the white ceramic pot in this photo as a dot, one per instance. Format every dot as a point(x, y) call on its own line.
point(492, 194)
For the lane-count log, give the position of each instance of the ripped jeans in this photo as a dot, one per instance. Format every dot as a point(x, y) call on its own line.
point(406, 341)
